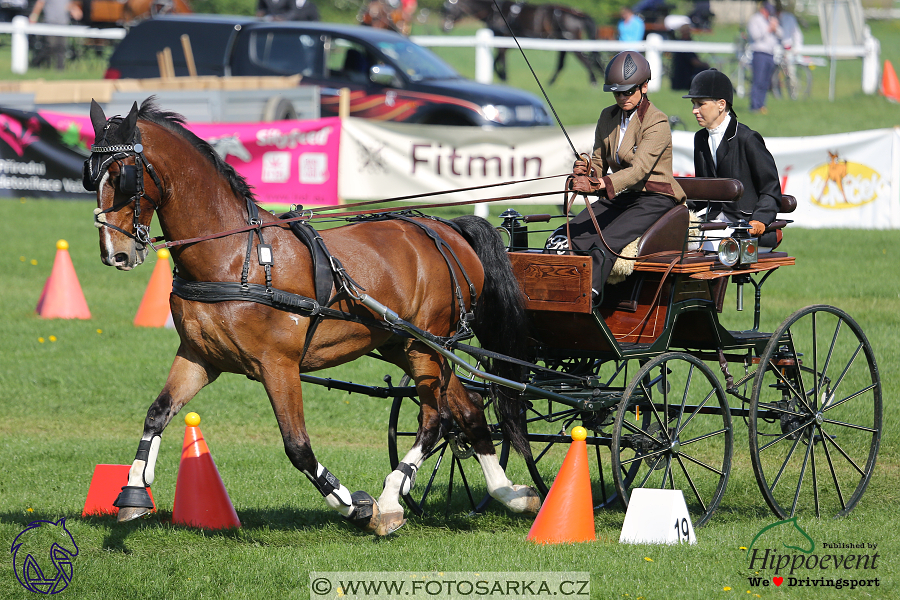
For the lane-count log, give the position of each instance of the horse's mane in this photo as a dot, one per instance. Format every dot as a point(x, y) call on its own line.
point(175, 123)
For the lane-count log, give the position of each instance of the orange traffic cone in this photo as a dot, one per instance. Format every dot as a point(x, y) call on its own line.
point(200, 496)
point(62, 297)
point(154, 310)
point(890, 86)
point(106, 484)
point(568, 511)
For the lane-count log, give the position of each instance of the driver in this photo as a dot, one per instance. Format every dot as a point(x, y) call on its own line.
point(631, 168)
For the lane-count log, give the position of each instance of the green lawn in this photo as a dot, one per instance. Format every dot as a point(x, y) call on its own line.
point(69, 404)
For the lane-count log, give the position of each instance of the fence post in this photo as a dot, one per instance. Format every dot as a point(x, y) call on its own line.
point(871, 62)
point(654, 57)
point(484, 56)
point(19, 47)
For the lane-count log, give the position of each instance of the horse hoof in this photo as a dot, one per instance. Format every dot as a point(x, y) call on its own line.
point(524, 499)
point(130, 513)
point(390, 522)
point(366, 514)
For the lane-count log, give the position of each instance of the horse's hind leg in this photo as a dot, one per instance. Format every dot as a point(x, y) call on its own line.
point(187, 376)
point(560, 62)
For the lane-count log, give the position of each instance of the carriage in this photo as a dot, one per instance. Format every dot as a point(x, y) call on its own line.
point(635, 372)
point(475, 324)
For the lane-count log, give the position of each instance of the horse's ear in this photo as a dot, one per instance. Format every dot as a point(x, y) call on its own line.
point(98, 118)
point(129, 123)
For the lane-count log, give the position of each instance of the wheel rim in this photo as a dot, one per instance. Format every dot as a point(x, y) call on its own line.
point(674, 423)
point(450, 478)
point(815, 430)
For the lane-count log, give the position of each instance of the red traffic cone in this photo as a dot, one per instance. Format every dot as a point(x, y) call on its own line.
point(106, 484)
point(154, 310)
point(568, 511)
point(200, 496)
point(890, 86)
point(62, 297)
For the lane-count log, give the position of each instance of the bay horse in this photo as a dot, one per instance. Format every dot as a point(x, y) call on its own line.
point(548, 21)
point(148, 162)
point(384, 14)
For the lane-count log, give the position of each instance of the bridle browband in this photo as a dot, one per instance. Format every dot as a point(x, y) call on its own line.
point(131, 180)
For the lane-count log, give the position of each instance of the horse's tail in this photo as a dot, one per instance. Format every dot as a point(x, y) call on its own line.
point(500, 323)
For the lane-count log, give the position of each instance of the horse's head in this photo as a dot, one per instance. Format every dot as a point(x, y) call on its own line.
point(126, 195)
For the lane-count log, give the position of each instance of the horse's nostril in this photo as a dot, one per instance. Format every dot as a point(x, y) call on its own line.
point(120, 258)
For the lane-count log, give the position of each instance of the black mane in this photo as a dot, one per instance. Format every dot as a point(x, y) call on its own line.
point(175, 123)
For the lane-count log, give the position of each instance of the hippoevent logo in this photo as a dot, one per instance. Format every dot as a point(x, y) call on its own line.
point(42, 556)
point(839, 183)
point(783, 554)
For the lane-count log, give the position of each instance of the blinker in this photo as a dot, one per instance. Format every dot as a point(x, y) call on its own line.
point(128, 179)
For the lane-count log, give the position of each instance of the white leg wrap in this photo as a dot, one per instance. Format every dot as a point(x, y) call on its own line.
point(517, 498)
point(336, 495)
point(398, 483)
point(150, 469)
point(143, 469)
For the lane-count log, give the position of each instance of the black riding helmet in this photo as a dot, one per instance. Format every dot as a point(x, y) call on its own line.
point(626, 70)
point(711, 84)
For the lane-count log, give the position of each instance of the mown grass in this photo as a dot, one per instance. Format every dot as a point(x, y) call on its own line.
point(69, 404)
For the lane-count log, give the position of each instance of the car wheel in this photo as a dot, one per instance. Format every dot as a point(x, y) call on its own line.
point(279, 108)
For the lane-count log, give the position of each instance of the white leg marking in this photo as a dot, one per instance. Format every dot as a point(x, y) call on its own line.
point(389, 501)
point(150, 471)
point(517, 498)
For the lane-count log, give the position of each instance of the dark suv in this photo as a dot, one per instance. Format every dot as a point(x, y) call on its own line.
point(390, 78)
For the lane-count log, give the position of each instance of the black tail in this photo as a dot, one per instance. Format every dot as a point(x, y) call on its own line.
point(501, 323)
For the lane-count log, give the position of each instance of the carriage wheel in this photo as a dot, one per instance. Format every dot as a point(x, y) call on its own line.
point(815, 414)
point(674, 425)
point(550, 425)
point(450, 466)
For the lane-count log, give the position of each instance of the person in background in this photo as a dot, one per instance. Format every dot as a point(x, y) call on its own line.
point(685, 65)
point(56, 12)
point(791, 41)
point(631, 27)
point(631, 168)
point(287, 10)
point(726, 148)
point(765, 37)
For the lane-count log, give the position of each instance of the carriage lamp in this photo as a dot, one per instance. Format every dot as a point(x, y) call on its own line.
point(515, 230)
point(740, 249)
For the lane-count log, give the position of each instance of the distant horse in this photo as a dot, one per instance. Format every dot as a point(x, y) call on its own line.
point(103, 13)
point(548, 21)
point(243, 302)
point(384, 14)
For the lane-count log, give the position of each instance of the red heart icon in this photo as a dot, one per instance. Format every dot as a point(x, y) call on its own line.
point(778, 580)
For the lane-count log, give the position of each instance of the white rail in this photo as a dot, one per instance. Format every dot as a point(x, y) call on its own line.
point(21, 28)
point(653, 47)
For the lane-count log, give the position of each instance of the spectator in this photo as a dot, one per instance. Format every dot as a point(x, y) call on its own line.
point(631, 27)
point(726, 148)
point(287, 10)
point(56, 12)
point(702, 15)
point(765, 34)
point(685, 65)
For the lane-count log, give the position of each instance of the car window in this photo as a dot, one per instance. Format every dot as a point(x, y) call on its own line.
point(286, 52)
point(348, 61)
point(417, 62)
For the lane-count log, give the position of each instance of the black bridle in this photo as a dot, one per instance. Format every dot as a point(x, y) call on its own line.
point(131, 180)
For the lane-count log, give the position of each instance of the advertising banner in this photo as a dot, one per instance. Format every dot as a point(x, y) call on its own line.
point(841, 180)
point(286, 162)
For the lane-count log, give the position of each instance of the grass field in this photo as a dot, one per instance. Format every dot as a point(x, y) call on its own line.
point(79, 398)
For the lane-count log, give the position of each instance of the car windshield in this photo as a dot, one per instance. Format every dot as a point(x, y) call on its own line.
point(417, 62)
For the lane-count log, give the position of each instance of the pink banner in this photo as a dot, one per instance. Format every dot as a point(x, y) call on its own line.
point(286, 162)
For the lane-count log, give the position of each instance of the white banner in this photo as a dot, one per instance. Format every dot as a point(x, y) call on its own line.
point(848, 180)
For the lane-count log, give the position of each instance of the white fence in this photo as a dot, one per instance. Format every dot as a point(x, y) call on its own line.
point(484, 42)
point(653, 48)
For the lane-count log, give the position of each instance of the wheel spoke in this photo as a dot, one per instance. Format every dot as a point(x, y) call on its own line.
point(643, 456)
point(850, 397)
point(660, 422)
point(462, 474)
point(802, 475)
point(705, 436)
point(837, 485)
point(788, 434)
point(784, 464)
point(434, 472)
point(850, 425)
point(701, 463)
point(844, 454)
point(691, 482)
point(697, 410)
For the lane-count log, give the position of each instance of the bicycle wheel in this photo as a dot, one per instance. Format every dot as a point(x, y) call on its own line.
point(815, 414)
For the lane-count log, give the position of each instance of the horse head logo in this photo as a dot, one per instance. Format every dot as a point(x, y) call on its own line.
point(230, 144)
point(804, 543)
point(40, 541)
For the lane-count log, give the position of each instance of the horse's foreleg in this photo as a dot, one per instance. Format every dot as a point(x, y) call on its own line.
point(560, 62)
point(187, 376)
point(284, 391)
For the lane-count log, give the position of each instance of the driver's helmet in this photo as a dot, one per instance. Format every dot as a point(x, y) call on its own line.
point(626, 70)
